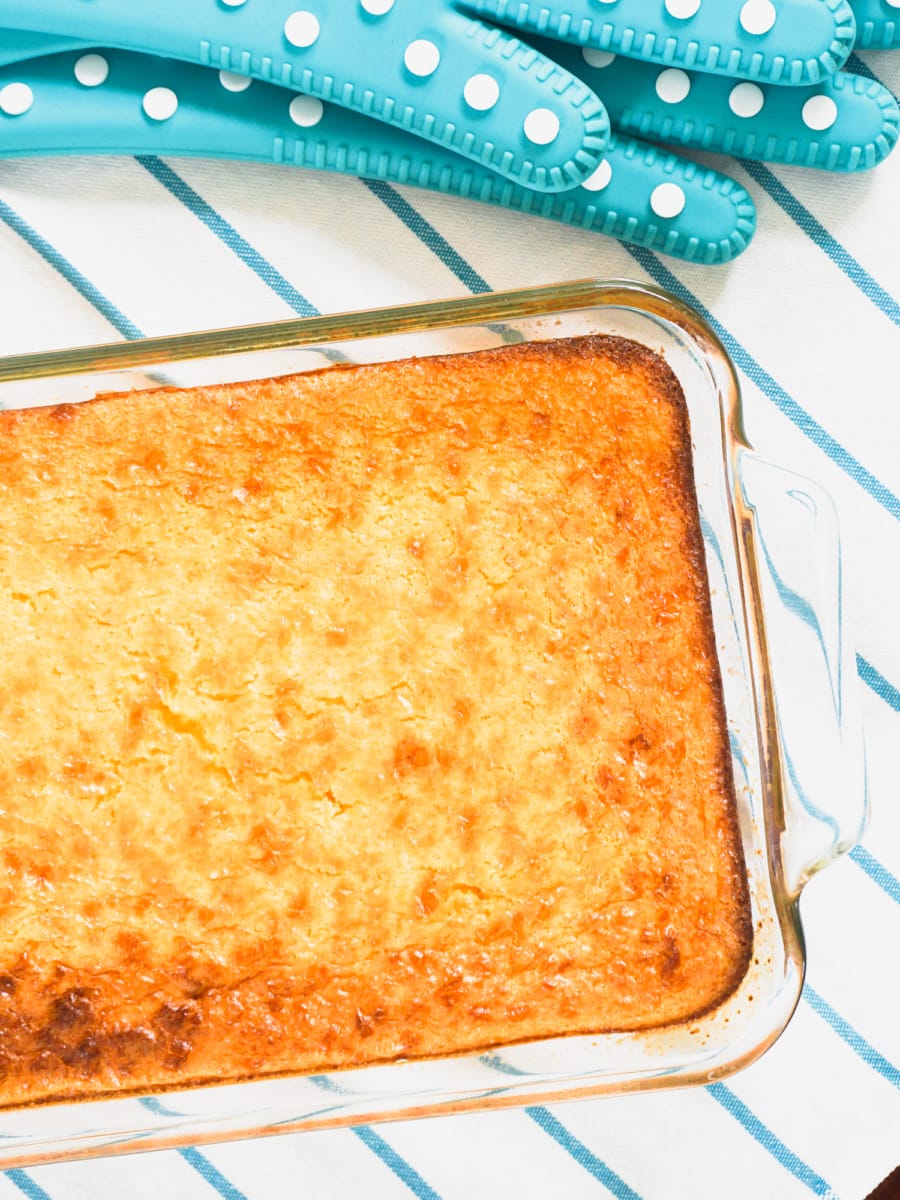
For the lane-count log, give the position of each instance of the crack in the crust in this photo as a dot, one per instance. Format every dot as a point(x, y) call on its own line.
point(31, 598)
point(179, 723)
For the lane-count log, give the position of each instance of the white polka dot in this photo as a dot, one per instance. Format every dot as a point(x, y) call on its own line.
point(376, 8)
point(819, 112)
point(233, 3)
point(746, 99)
point(422, 58)
point(597, 58)
point(302, 29)
point(758, 16)
point(600, 178)
point(541, 126)
point(481, 92)
point(91, 70)
point(892, 3)
point(606, 1)
point(231, 81)
point(160, 104)
point(682, 9)
point(667, 200)
point(672, 85)
point(15, 99)
point(306, 111)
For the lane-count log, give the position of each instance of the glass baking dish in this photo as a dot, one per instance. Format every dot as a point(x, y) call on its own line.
point(773, 561)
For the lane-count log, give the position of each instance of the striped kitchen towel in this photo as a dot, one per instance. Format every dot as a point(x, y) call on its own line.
point(92, 250)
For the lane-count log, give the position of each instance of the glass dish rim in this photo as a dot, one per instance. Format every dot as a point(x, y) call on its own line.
point(297, 332)
point(543, 301)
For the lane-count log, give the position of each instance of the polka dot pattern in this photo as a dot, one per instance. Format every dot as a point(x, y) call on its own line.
point(231, 81)
point(757, 16)
point(597, 58)
point(421, 58)
point(92, 70)
point(302, 29)
point(600, 179)
point(481, 92)
point(746, 100)
point(819, 112)
point(160, 104)
point(673, 85)
point(541, 126)
point(682, 9)
point(306, 111)
point(667, 200)
point(16, 99)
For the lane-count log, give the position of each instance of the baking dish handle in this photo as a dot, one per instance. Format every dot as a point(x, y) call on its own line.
point(814, 701)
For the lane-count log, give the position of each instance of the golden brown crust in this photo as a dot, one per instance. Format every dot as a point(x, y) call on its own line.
point(366, 714)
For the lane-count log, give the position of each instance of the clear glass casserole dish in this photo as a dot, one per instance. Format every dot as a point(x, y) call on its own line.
point(773, 563)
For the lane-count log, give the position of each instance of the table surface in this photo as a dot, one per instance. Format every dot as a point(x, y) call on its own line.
point(92, 250)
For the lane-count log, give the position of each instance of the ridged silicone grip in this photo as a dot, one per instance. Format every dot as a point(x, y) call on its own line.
point(845, 123)
point(116, 102)
point(877, 24)
point(424, 67)
point(782, 41)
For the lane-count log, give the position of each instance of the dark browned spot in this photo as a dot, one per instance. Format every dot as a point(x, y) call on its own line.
point(69, 1010)
point(670, 959)
point(177, 1018)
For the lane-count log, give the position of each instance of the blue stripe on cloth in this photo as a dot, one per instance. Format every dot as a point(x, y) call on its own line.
point(69, 272)
point(213, 1177)
point(582, 1155)
point(814, 229)
point(425, 232)
point(807, 424)
point(877, 682)
point(867, 862)
point(768, 1140)
point(26, 1184)
point(226, 233)
point(854, 1040)
point(398, 1165)
point(388, 1155)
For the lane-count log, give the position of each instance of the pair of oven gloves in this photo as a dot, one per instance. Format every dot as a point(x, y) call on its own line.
point(581, 121)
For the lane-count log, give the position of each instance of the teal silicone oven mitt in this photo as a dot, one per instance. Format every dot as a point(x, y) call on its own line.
point(121, 102)
point(447, 71)
point(117, 102)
